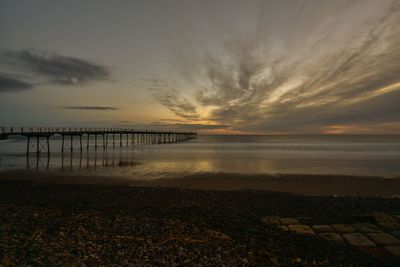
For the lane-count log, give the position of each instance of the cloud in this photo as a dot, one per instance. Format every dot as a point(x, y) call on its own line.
point(306, 70)
point(11, 84)
point(164, 92)
point(57, 69)
point(92, 108)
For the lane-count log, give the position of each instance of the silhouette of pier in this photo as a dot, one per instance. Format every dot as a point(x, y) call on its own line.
point(72, 138)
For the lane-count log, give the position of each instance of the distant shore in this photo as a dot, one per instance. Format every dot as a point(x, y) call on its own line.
point(325, 185)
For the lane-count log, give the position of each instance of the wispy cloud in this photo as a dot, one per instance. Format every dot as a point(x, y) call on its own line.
point(55, 68)
point(325, 68)
point(164, 92)
point(105, 108)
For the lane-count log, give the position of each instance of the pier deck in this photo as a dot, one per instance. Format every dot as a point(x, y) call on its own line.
point(38, 138)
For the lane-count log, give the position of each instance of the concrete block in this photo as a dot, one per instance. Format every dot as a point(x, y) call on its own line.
point(384, 239)
point(389, 226)
point(343, 228)
point(367, 228)
point(301, 229)
point(323, 228)
point(358, 239)
point(332, 237)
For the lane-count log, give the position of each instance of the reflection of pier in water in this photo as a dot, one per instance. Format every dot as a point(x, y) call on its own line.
point(77, 160)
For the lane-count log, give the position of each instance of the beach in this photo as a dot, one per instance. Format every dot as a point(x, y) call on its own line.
point(326, 185)
point(212, 201)
point(57, 219)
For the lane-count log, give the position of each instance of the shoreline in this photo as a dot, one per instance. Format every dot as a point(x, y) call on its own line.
point(305, 184)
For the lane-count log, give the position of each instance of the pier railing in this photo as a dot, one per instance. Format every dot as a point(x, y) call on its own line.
point(56, 130)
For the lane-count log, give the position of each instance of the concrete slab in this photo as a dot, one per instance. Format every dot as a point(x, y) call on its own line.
point(384, 239)
point(301, 229)
point(271, 220)
point(343, 228)
point(389, 226)
point(323, 228)
point(359, 240)
point(287, 221)
point(367, 228)
point(332, 237)
point(395, 250)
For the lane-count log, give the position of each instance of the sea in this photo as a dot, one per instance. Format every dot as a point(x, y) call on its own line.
point(359, 155)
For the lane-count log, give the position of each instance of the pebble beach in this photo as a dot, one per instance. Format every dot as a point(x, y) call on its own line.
point(54, 224)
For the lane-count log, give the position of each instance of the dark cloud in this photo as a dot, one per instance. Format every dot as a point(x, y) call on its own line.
point(58, 69)
point(164, 92)
point(91, 108)
point(11, 84)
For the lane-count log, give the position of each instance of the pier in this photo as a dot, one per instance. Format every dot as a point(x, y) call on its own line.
point(73, 138)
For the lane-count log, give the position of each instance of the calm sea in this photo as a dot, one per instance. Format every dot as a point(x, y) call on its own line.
point(350, 155)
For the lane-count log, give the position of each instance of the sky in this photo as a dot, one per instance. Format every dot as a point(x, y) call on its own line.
point(212, 66)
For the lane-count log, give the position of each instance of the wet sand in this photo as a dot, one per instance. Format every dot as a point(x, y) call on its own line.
point(293, 183)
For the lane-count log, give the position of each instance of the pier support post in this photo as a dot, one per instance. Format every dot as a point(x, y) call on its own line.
point(48, 147)
point(37, 146)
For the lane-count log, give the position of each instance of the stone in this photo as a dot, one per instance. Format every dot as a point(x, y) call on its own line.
point(358, 240)
point(343, 228)
point(367, 228)
point(395, 250)
point(301, 229)
point(332, 237)
point(271, 220)
point(389, 226)
point(322, 228)
point(288, 221)
point(384, 239)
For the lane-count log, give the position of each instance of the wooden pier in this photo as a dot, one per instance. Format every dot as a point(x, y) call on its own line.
point(38, 138)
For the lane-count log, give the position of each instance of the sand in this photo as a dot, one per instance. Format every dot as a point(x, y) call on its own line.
point(293, 183)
